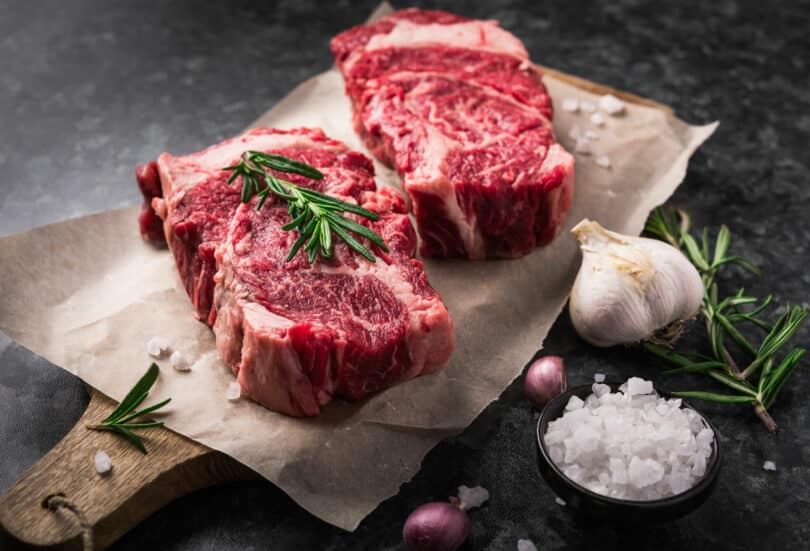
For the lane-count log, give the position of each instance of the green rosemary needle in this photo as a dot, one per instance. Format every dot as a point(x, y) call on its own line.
point(764, 375)
point(315, 216)
point(121, 419)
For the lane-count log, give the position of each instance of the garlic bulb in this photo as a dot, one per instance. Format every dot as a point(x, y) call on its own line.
point(629, 287)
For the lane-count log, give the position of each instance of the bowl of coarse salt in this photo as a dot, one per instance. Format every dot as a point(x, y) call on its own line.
point(627, 453)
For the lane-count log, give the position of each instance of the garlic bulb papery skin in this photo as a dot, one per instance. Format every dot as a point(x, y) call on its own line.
point(629, 287)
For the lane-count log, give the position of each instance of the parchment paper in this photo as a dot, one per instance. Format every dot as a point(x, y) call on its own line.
point(88, 294)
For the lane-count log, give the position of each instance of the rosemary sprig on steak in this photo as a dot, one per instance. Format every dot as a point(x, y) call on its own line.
point(758, 371)
point(317, 217)
point(121, 419)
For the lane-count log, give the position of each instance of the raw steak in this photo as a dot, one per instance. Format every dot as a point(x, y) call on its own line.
point(457, 108)
point(296, 334)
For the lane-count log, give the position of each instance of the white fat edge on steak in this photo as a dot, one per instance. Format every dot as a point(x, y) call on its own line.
point(473, 35)
point(237, 314)
point(178, 174)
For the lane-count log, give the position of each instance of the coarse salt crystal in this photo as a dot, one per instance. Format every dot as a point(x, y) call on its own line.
point(472, 497)
point(560, 501)
point(644, 472)
point(103, 462)
point(769, 466)
point(526, 545)
point(179, 362)
point(588, 106)
point(234, 392)
point(157, 346)
point(574, 132)
point(599, 390)
point(592, 135)
point(583, 146)
point(637, 386)
point(597, 119)
point(575, 402)
point(571, 105)
point(599, 377)
point(602, 160)
point(611, 105)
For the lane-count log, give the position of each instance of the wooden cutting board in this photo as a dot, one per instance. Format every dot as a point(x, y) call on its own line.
point(109, 506)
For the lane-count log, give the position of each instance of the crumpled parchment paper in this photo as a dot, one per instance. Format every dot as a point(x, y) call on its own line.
point(88, 294)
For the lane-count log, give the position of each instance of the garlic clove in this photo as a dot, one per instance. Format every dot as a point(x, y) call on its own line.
point(629, 287)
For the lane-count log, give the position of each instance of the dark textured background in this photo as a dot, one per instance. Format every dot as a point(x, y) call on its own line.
point(89, 89)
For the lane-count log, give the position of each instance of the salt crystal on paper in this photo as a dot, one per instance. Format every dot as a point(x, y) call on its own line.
point(179, 362)
point(591, 135)
point(769, 466)
point(526, 545)
point(234, 392)
point(599, 377)
point(157, 346)
point(602, 160)
point(103, 462)
point(588, 106)
point(611, 105)
point(574, 132)
point(472, 497)
point(583, 146)
point(571, 105)
point(597, 119)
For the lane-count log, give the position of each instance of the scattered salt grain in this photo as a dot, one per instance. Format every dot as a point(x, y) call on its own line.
point(179, 362)
point(234, 392)
point(157, 346)
point(599, 377)
point(474, 497)
point(560, 501)
point(611, 105)
point(574, 133)
point(583, 146)
point(526, 545)
point(588, 106)
point(571, 105)
point(597, 119)
point(602, 160)
point(631, 444)
point(591, 135)
point(769, 466)
point(103, 462)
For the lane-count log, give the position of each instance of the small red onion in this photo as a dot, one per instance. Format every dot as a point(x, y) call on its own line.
point(545, 380)
point(436, 527)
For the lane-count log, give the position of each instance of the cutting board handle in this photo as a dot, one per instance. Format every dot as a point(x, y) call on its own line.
point(109, 505)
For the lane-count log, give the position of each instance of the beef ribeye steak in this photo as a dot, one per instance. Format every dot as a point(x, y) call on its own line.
point(296, 333)
point(457, 108)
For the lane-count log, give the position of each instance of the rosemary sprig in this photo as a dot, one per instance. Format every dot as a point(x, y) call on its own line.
point(723, 316)
point(121, 419)
point(316, 217)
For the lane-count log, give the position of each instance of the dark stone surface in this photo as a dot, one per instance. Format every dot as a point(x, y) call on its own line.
point(89, 89)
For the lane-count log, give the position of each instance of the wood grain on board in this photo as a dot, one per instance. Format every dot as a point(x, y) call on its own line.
point(112, 504)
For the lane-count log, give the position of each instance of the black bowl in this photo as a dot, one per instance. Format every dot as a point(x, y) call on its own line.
point(597, 506)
